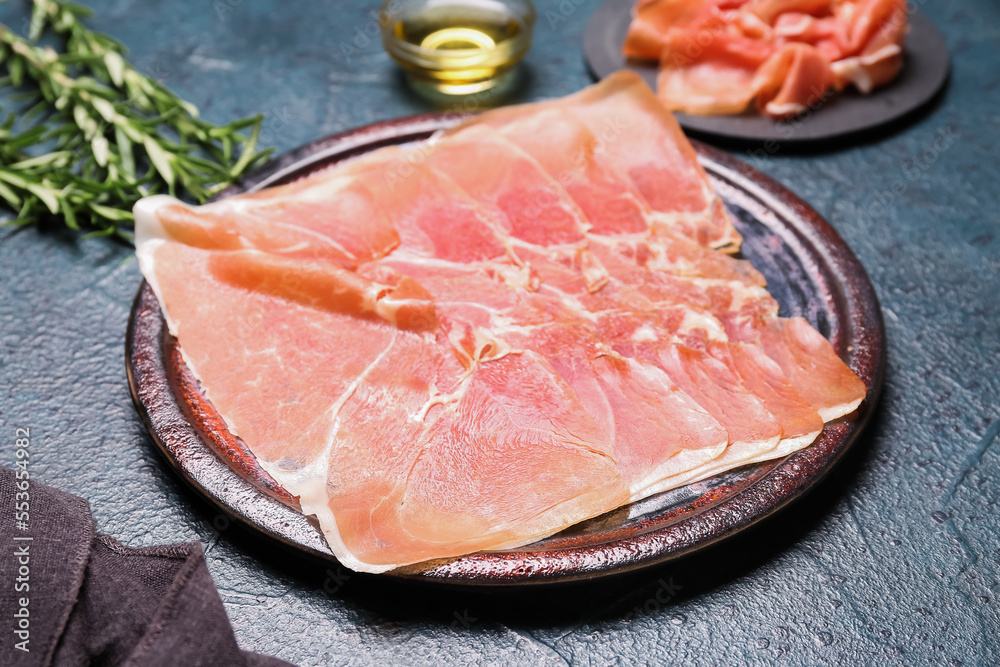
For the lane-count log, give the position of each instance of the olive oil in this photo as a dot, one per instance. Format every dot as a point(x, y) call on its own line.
point(459, 47)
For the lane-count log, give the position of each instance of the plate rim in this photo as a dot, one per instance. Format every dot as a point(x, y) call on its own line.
point(476, 569)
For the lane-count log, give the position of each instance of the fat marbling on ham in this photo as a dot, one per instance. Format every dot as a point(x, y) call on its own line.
point(476, 343)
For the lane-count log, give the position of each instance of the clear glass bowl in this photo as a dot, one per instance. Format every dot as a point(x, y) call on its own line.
point(457, 47)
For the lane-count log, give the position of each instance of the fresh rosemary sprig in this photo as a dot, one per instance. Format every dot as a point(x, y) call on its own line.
point(97, 134)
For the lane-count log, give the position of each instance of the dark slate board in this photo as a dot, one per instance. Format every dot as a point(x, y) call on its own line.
point(925, 72)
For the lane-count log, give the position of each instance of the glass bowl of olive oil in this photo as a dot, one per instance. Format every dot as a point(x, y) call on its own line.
point(457, 47)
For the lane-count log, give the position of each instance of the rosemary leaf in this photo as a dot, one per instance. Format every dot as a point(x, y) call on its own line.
point(98, 134)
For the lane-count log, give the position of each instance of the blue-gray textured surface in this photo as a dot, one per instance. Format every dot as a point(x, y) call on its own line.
point(895, 559)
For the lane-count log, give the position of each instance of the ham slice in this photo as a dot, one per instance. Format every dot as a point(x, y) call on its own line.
point(871, 53)
point(458, 495)
point(432, 214)
point(800, 423)
point(719, 56)
point(534, 207)
point(644, 141)
point(796, 77)
point(317, 219)
point(395, 447)
point(721, 80)
point(478, 342)
point(656, 22)
point(568, 151)
point(717, 388)
point(658, 431)
point(809, 362)
point(687, 303)
point(640, 140)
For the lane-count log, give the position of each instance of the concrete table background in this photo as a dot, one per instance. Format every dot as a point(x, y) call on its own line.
point(895, 559)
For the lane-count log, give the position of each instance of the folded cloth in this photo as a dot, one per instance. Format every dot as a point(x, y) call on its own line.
point(72, 596)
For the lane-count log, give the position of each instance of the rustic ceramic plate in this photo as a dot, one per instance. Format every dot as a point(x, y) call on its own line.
point(925, 71)
point(810, 271)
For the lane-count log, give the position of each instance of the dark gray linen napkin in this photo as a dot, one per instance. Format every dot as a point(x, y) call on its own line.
point(72, 596)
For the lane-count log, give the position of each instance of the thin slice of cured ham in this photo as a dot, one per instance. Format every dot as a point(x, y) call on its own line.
point(752, 430)
point(487, 470)
point(872, 53)
point(721, 79)
point(808, 361)
point(657, 430)
point(568, 151)
point(686, 311)
point(719, 56)
point(316, 220)
point(655, 22)
point(739, 372)
point(432, 214)
point(640, 140)
point(827, 34)
point(534, 206)
point(800, 422)
point(401, 452)
point(644, 141)
point(796, 77)
point(479, 341)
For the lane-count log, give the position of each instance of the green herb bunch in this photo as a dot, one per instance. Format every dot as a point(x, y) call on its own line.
point(96, 135)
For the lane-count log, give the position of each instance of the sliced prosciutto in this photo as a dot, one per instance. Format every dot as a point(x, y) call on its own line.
point(658, 431)
point(536, 209)
point(752, 430)
point(656, 22)
point(723, 79)
point(785, 56)
point(478, 342)
point(566, 148)
point(793, 79)
point(800, 422)
point(316, 220)
point(637, 138)
point(433, 215)
point(872, 53)
point(808, 362)
point(645, 142)
point(401, 452)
